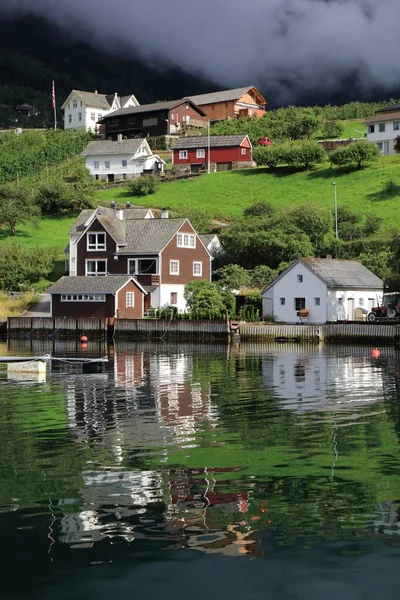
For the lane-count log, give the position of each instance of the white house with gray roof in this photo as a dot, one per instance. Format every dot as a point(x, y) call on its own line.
point(330, 289)
point(121, 159)
point(82, 110)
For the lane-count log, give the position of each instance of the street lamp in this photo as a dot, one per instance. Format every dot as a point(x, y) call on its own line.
point(208, 147)
point(335, 205)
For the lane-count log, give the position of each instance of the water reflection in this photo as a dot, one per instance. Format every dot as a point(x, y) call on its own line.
point(207, 448)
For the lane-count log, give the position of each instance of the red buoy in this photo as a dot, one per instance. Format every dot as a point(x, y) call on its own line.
point(375, 353)
point(84, 338)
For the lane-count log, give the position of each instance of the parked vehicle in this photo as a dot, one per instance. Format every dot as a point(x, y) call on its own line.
point(264, 141)
point(389, 309)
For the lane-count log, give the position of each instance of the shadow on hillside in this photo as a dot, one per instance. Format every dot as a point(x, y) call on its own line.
point(277, 172)
point(332, 173)
point(386, 193)
point(6, 235)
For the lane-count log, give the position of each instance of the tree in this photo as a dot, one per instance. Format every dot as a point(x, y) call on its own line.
point(313, 220)
point(82, 190)
point(20, 267)
point(54, 197)
point(232, 277)
point(204, 297)
point(358, 154)
point(144, 185)
point(377, 262)
point(17, 206)
point(302, 154)
point(266, 156)
point(332, 129)
point(303, 125)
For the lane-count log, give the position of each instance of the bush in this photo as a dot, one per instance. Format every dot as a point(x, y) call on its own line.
point(20, 268)
point(302, 154)
point(249, 314)
point(332, 129)
point(266, 156)
point(144, 185)
point(356, 154)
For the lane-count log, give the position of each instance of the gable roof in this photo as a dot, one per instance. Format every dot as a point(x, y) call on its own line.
point(125, 99)
point(106, 216)
point(225, 96)
point(149, 236)
point(93, 99)
point(207, 238)
point(394, 107)
point(91, 285)
point(97, 148)
point(385, 116)
point(336, 273)
point(216, 141)
point(155, 106)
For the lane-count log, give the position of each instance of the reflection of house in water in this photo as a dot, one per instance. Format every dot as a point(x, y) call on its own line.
point(307, 378)
point(386, 519)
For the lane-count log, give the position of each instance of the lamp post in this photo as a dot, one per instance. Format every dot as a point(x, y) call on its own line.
point(208, 146)
point(335, 208)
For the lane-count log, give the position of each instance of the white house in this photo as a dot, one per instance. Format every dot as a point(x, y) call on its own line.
point(330, 289)
point(384, 127)
point(123, 159)
point(82, 110)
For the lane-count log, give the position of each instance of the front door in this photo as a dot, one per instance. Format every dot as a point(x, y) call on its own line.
point(350, 309)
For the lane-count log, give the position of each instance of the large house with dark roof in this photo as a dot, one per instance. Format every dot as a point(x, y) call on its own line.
point(152, 120)
point(384, 127)
point(163, 255)
point(226, 152)
point(231, 104)
point(123, 159)
point(329, 289)
point(82, 110)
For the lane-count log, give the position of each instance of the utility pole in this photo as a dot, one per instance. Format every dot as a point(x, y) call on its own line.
point(335, 209)
point(208, 147)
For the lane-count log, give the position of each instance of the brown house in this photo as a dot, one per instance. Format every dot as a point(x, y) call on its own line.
point(157, 119)
point(163, 255)
point(231, 104)
point(101, 297)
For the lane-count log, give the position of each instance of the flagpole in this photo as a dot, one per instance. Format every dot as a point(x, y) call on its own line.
point(53, 100)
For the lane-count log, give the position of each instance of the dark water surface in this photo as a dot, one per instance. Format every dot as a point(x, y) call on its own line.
point(199, 472)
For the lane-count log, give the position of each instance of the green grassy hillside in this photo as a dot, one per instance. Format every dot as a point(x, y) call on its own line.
point(225, 195)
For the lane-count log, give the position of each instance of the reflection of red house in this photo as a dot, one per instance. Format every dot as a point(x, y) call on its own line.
point(192, 486)
point(226, 152)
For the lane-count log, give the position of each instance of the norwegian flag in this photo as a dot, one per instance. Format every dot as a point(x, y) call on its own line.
point(53, 95)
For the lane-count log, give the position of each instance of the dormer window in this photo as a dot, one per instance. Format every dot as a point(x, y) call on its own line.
point(96, 241)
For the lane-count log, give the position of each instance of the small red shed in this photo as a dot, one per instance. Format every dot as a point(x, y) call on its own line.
point(101, 297)
point(226, 152)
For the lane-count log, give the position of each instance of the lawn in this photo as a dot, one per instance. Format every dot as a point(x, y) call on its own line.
point(225, 195)
point(51, 231)
point(353, 129)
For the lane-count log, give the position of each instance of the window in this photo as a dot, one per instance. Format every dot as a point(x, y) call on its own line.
point(96, 164)
point(317, 301)
point(242, 151)
point(381, 127)
point(340, 301)
point(124, 163)
point(79, 116)
point(174, 298)
point(197, 269)
point(107, 164)
point(371, 129)
point(299, 278)
point(69, 118)
point(200, 153)
point(93, 116)
point(74, 104)
point(182, 154)
point(186, 240)
point(130, 299)
point(396, 126)
point(96, 268)
point(283, 301)
point(172, 116)
point(81, 103)
point(361, 302)
point(380, 146)
point(299, 303)
point(96, 241)
point(131, 266)
point(83, 298)
point(174, 267)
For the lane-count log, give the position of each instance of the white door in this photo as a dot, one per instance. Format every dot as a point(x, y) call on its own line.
point(350, 309)
point(385, 148)
point(371, 303)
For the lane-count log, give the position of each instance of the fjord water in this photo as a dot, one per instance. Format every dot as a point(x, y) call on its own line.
point(250, 471)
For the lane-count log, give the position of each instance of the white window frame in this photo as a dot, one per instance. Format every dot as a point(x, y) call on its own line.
point(186, 240)
point(176, 300)
point(200, 153)
point(196, 263)
point(96, 165)
point(107, 164)
point(381, 127)
point(183, 154)
point(134, 261)
point(69, 118)
point(171, 267)
point(317, 301)
point(283, 301)
point(130, 300)
point(93, 116)
point(243, 151)
point(396, 125)
point(361, 302)
point(96, 246)
point(75, 104)
point(295, 304)
point(371, 128)
point(124, 163)
point(300, 278)
point(83, 297)
point(96, 273)
point(80, 117)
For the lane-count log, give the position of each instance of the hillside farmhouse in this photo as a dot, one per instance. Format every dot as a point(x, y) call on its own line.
point(330, 289)
point(226, 152)
point(82, 110)
point(163, 255)
point(231, 104)
point(123, 159)
point(384, 127)
point(152, 120)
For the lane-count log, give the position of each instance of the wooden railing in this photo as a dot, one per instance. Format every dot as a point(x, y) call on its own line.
point(148, 279)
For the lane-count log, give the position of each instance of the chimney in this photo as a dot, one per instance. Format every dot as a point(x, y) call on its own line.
point(113, 205)
point(164, 213)
point(95, 91)
point(119, 137)
point(128, 205)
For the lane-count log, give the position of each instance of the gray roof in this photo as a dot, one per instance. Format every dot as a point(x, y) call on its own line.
point(107, 218)
point(124, 99)
point(89, 285)
point(207, 238)
point(155, 106)
point(201, 141)
point(93, 100)
point(148, 236)
point(110, 147)
point(348, 274)
point(393, 108)
point(224, 96)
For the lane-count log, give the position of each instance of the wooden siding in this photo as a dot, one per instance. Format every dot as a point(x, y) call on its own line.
point(163, 329)
point(217, 155)
point(113, 266)
point(28, 327)
point(336, 332)
point(77, 309)
point(186, 257)
point(130, 312)
point(230, 109)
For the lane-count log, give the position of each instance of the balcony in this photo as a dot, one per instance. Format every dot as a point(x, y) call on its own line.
point(148, 279)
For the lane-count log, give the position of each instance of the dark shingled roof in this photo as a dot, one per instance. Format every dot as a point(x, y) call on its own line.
point(89, 285)
point(110, 147)
point(147, 236)
point(155, 106)
point(393, 108)
point(201, 141)
point(348, 274)
point(106, 217)
point(224, 96)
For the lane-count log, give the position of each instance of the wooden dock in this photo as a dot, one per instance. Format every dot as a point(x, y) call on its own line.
point(145, 329)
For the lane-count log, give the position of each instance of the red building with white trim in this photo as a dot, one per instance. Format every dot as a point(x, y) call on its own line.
point(226, 152)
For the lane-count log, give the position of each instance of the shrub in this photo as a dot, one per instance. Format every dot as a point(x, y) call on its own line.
point(356, 154)
point(249, 314)
point(144, 185)
point(332, 129)
point(266, 156)
point(302, 154)
point(20, 267)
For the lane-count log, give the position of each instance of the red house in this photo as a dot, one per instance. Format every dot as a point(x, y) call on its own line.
point(226, 152)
